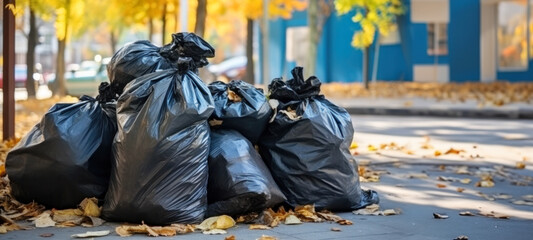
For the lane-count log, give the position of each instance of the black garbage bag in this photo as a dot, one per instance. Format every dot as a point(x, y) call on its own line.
point(66, 157)
point(142, 57)
point(240, 106)
point(239, 180)
point(159, 174)
point(307, 148)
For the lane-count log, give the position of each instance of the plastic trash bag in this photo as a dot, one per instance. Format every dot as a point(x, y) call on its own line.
point(307, 148)
point(159, 174)
point(240, 106)
point(142, 57)
point(66, 157)
point(239, 180)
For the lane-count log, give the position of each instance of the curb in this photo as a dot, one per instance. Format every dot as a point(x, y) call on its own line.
point(457, 113)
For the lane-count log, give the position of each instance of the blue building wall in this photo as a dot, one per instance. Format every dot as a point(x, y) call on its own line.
point(338, 61)
point(464, 40)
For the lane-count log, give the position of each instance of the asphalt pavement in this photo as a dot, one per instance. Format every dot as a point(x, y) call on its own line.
point(417, 182)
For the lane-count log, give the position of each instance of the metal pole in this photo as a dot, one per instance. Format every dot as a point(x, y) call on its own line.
point(265, 71)
point(184, 11)
point(9, 72)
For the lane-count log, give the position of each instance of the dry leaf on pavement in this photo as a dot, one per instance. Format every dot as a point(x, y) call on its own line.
point(466, 213)
point(231, 237)
point(345, 222)
point(217, 222)
point(486, 181)
point(462, 237)
point(418, 175)
point(307, 213)
point(266, 237)
point(44, 220)
point(328, 216)
point(520, 165)
point(493, 214)
point(335, 229)
point(373, 209)
point(215, 232)
point(183, 228)
point(90, 208)
point(292, 220)
point(259, 227)
point(454, 151)
point(248, 218)
point(439, 216)
point(91, 234)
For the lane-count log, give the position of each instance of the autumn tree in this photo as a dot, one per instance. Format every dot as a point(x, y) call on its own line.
point(375, 17)
point(317, 13)
point(35, 9)
point(251, 11)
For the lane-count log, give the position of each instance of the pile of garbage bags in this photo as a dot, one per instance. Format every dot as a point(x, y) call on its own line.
point(160, 146)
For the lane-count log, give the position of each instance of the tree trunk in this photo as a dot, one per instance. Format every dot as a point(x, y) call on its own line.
point(150, 29)
point(312, 22)
point(365, 66)
point(30, 55)
point(60, 68)
point(249, 78)
point(164, 27)
point(113, 41)
point(201, 13)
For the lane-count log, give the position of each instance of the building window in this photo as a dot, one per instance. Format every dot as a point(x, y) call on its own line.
point(512, 35)
point(437, 39)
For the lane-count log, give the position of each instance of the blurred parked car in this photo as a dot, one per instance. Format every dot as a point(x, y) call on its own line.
point(84, 79)
point(20, 77)
point(231, 68)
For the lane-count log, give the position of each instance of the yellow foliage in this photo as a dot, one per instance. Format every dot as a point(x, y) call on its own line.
point(372, 15)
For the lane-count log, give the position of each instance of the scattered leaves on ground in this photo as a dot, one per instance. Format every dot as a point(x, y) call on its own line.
point(485, 94)
point(493, 214)
point(172, 230)
point(373, 209)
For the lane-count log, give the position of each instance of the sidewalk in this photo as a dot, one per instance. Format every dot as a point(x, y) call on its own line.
point(431, 107)
point(415, 181)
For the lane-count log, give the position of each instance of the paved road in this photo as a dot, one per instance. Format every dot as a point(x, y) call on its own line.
point(485, 147)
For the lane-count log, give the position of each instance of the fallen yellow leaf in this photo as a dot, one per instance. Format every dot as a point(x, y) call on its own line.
point(266, 237)
point(466, 180)
point(520, 165)
point(259, 227)
point(90, 207)
point(437, 153)
point(453, 151)
point(354, 145)
point(371, 148)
